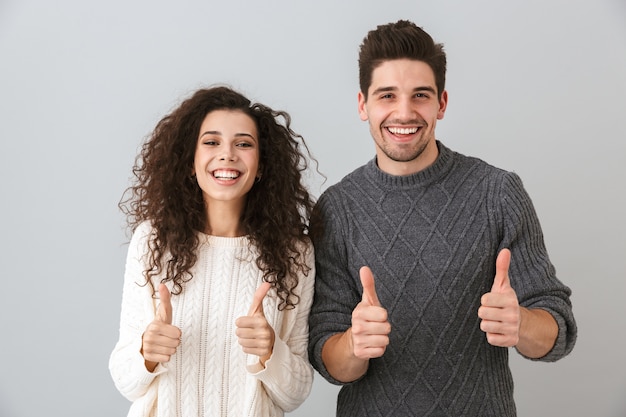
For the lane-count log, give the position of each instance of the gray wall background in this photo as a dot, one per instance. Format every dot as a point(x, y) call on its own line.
point(536, 87)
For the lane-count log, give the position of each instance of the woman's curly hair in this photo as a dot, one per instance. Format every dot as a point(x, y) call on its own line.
point(277, 209)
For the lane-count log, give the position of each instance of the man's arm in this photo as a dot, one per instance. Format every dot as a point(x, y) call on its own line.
point(537, 332)
point(339, 359)
point(532, 331)
point(346, 355)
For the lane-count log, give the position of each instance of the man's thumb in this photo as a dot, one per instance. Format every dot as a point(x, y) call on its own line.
point(501, 281)
point(369, 288)
point(164, 311)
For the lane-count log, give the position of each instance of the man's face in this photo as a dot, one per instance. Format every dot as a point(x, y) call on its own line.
point(402, 108)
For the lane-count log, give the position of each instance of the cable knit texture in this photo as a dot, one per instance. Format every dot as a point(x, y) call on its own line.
point(431, 240)
point(210, 375)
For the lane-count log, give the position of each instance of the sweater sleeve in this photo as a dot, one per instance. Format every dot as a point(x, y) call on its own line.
point(288, 375)
point(126, 364)
point(336, 293)
point(533, 277)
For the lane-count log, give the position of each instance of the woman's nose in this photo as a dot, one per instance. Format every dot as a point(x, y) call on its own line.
point(227, 154)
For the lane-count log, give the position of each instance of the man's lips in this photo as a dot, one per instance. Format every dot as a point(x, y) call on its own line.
point(402, 130)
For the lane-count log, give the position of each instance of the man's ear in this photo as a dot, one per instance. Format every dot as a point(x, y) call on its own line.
point(443, 104)
point(362, 108)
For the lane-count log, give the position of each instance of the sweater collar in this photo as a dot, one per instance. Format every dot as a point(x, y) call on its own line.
point(438, 169)
point(224, 242)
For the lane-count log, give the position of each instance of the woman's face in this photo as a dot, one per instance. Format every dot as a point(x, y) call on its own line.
point(226, 161)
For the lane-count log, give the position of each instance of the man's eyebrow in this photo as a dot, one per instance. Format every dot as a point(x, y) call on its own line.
point(416, 89)
point(425, 88)
point(384, 90)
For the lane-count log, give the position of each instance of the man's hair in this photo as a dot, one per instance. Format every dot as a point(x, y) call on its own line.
point(400, 40)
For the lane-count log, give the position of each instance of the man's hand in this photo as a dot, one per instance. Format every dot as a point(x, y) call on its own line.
point(500, 310)
point(370, 328)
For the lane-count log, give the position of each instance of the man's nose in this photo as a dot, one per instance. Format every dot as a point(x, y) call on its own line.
point(406, 110)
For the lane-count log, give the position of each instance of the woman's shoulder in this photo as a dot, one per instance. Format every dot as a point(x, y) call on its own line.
point(305, 247)
point(141, 233)
point(144, 228)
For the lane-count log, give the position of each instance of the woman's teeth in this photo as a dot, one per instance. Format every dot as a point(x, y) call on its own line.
point(225, 174)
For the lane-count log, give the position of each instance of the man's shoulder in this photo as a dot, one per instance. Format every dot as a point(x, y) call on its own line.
point(476, 164)
point(348, 181)
point(341, 196)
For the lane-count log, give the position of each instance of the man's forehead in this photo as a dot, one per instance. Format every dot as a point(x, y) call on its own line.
point(405, 75)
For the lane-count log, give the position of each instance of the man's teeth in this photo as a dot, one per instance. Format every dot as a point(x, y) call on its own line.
point(402, 130)
point(225, 174)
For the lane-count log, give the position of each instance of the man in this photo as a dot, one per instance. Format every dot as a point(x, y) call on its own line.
point(430, 264)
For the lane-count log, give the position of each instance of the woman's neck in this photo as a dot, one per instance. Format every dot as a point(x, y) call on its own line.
point(224, 219)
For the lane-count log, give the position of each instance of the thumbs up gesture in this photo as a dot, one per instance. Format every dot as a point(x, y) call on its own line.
point(370, 327)
point(160, 340)
point(254, 333)
point(500, 310)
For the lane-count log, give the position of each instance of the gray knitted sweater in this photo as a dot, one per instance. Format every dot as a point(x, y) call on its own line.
point(431, 240)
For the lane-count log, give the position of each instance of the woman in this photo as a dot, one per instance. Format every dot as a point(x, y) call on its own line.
point(219, 218)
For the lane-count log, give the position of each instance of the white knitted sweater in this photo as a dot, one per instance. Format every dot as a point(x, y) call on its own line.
point(210, 375)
